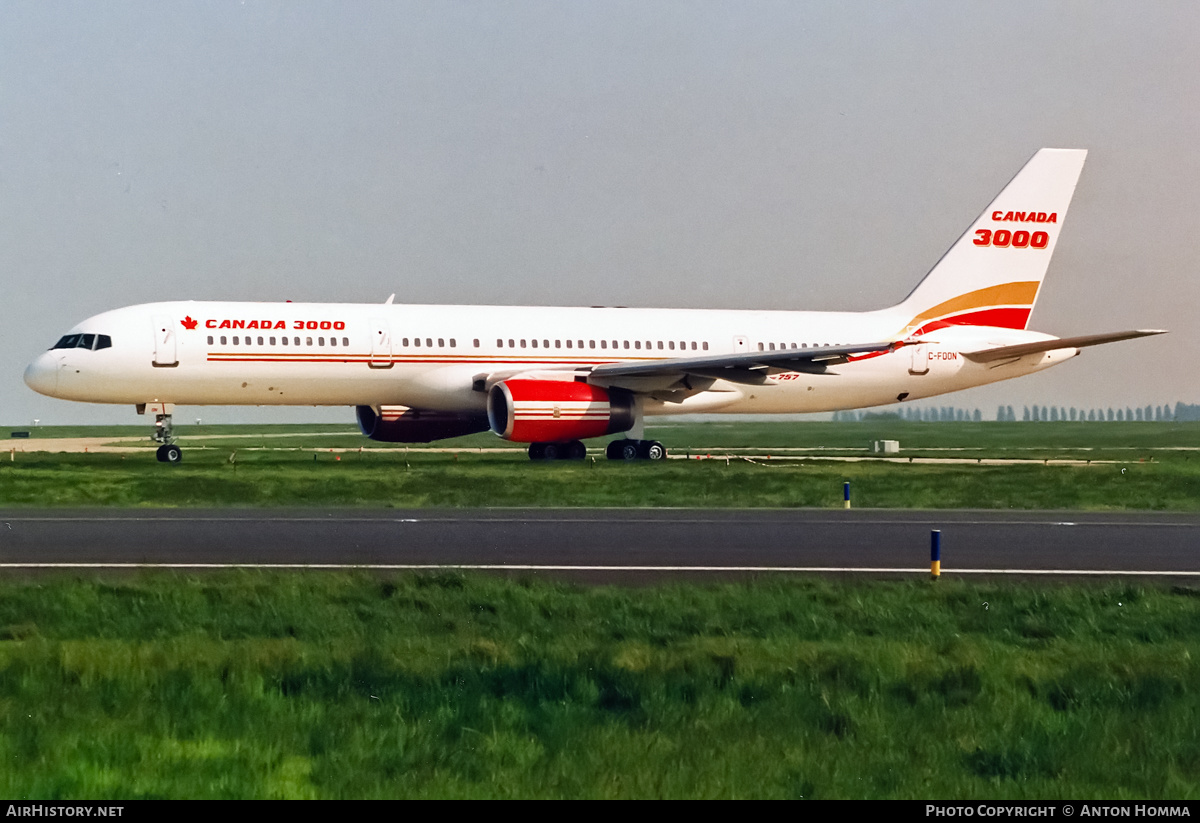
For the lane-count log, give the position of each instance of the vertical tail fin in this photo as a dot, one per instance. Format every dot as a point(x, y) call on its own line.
point(992, 275)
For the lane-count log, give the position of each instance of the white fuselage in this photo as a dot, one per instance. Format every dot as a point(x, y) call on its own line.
point(438, 357)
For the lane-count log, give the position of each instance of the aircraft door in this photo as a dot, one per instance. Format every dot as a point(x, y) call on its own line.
point(381, 344)
point(920, 360)
point(165, 355)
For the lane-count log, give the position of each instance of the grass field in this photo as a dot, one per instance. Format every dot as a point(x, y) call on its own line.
point(326, 685)
point(1152, 466)
point(1014, 439)
point(277, 685)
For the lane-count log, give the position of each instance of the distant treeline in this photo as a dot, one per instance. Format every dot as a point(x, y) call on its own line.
point(1181, 412)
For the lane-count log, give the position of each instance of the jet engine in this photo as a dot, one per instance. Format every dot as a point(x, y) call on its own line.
point(554, 411)
point(400, 424)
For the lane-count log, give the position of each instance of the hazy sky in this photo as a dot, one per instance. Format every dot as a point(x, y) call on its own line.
point(791, 155)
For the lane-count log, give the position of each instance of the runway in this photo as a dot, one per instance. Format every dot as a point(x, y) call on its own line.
point(611, 545)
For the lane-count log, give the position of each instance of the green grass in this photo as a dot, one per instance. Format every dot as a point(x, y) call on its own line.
point(390, 478)
point(1033, 440)
point(334, 686)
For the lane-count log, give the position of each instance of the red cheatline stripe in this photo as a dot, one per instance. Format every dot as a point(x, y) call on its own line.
point(1002, 317)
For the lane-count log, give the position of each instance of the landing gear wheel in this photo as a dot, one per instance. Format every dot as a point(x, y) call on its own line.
point(636, 450)
point(575, 451)
point(552, 451)
point(653, 450)
point(537, 451)
point(169, 453)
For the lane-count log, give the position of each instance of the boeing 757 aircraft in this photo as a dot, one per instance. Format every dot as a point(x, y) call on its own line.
point(553, 377)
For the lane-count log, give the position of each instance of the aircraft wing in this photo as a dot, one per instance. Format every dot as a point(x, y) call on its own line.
point(1021, 349)
point(742, 367)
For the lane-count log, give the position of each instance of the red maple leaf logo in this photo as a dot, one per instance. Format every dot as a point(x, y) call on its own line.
point(188, 323)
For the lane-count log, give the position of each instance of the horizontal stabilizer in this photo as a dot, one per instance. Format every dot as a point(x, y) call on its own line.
point(1021, 349)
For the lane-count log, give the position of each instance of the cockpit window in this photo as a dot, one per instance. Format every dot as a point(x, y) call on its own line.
point(84, 341)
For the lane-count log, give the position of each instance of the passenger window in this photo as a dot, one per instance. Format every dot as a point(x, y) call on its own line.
point(210, 340)
point(429, 342)
point(568, 344)
point(320, 341)
point(510, 343)
point(307, 341)
point(223, 340)
point(604, 344)
point(671, 345)
point(452, 345)
point(534, 344)
point(235, 341)
point(260, 341)
point(283, 340)
point(441, 342)
point(345, 341)
point(333, 341)
point(272, 340)
point(705, 345)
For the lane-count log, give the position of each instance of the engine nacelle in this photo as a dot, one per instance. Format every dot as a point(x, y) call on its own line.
point(554, 411)
point(400, 424)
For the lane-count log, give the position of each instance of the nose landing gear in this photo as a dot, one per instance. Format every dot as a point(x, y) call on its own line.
point(164, 431)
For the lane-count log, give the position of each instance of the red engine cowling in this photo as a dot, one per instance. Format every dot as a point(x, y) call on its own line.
point(400, 424)
point(554, 411)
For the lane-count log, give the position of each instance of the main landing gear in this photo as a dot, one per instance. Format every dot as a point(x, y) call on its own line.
point(571, 450)
point(636, 450)
point(617, 450)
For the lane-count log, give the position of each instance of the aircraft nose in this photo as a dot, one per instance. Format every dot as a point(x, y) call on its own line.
point(42, 374)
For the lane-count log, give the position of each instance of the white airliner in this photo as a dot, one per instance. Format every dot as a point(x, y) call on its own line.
point(552, 377)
